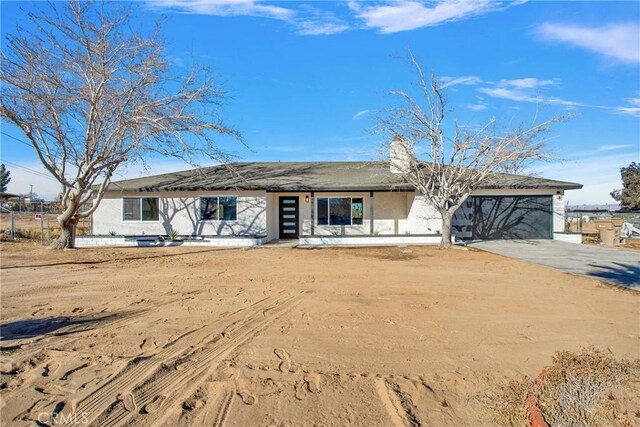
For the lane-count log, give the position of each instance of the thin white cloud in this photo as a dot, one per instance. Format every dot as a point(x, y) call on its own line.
point(361, 114)
point(631, 109)
point(525, 90)
point(529, 89)
point(223, 8)
point(508, 93)
point(614, 147)
point(527, 83)
point(599, 174)
point(306, 20)
point(634, 101)
point(313, 21)
point(477, 107)
point(406, 15)
point(315, 28)
point(462, 80)
point(518, 95)
point(176, 61)
point(619, 41)
point(628, 111)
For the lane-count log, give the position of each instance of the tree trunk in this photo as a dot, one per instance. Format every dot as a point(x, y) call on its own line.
point(67, 239)
point(447, 218)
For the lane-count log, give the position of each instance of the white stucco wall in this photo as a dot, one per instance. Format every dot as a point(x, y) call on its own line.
point(179, 211)
point(423, 218)
point(558, 213)
point(394, 213)
point(391, 214)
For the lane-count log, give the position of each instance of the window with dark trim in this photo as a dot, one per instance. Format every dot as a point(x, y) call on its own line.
point(357, 210)
point(219, 208)
point(140, 209)
point(340, 210)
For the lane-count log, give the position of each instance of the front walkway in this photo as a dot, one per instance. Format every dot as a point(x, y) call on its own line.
point(280, 243)
point(616, 266)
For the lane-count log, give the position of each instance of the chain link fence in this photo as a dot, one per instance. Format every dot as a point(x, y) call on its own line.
point(35, 225)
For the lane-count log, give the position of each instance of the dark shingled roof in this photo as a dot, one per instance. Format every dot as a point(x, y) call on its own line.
point(305, 176)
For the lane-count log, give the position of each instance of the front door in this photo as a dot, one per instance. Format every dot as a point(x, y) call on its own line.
point(288, 217)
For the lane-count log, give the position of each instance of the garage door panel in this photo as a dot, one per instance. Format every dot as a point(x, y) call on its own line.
point(502, 217)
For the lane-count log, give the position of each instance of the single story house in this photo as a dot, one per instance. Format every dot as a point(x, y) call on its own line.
point(252, 203)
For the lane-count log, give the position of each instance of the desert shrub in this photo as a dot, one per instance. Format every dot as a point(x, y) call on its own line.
point(30, 233)
point(575, 388)
point(53, 232)
point(509, 405)
point(575, 391)
point(173, 234)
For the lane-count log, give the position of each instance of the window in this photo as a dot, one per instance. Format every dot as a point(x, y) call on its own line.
point(149, 208)
point(357, 210)
point(223, 208)
point(323, 211)
point(140, 209)
point(340, 210)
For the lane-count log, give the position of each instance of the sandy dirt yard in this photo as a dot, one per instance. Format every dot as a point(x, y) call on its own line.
point(286, 337)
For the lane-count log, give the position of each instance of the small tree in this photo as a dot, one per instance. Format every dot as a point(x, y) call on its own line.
point(458, 159)
point(91, 94)
point(629, 196)
point(5, 178)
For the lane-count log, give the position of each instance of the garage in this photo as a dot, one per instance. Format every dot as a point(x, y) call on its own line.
point(512, 217)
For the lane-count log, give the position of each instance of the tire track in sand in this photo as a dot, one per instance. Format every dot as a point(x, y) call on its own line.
point(171, 382)
point(225, 408)
point(137, 372)
point(67, 335)
point(398, 403)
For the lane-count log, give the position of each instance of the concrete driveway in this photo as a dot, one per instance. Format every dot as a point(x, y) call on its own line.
point(617, 266)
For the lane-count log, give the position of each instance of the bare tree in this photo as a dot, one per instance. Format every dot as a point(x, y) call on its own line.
point(91, 94)
point(458, 159)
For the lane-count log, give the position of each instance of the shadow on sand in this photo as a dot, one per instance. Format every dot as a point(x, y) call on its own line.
point(56, 326)
point(104, 261)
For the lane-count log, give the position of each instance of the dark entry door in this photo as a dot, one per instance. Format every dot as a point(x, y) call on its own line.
point(289, 228)
point(506, 217)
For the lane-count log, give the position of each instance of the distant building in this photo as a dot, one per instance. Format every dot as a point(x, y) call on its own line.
point(601, 208)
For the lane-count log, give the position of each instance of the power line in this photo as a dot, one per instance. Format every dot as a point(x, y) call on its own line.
point(32, 171)
point(19, 140)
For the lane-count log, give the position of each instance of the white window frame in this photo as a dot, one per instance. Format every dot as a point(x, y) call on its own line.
point(351, 224)
point(146, 221)
point(217, 196)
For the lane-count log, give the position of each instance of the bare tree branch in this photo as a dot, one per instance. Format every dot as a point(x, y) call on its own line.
point(460, 161)
point(91, 94)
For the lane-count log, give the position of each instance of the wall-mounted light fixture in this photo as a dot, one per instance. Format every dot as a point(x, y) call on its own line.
point(559, 195)
point(306, 198)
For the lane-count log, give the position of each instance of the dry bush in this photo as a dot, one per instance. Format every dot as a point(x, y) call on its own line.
point(575, 391)
point(52, 233)
point(508, 406)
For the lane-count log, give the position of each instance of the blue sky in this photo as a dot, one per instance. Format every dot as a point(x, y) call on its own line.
point(305, 78)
